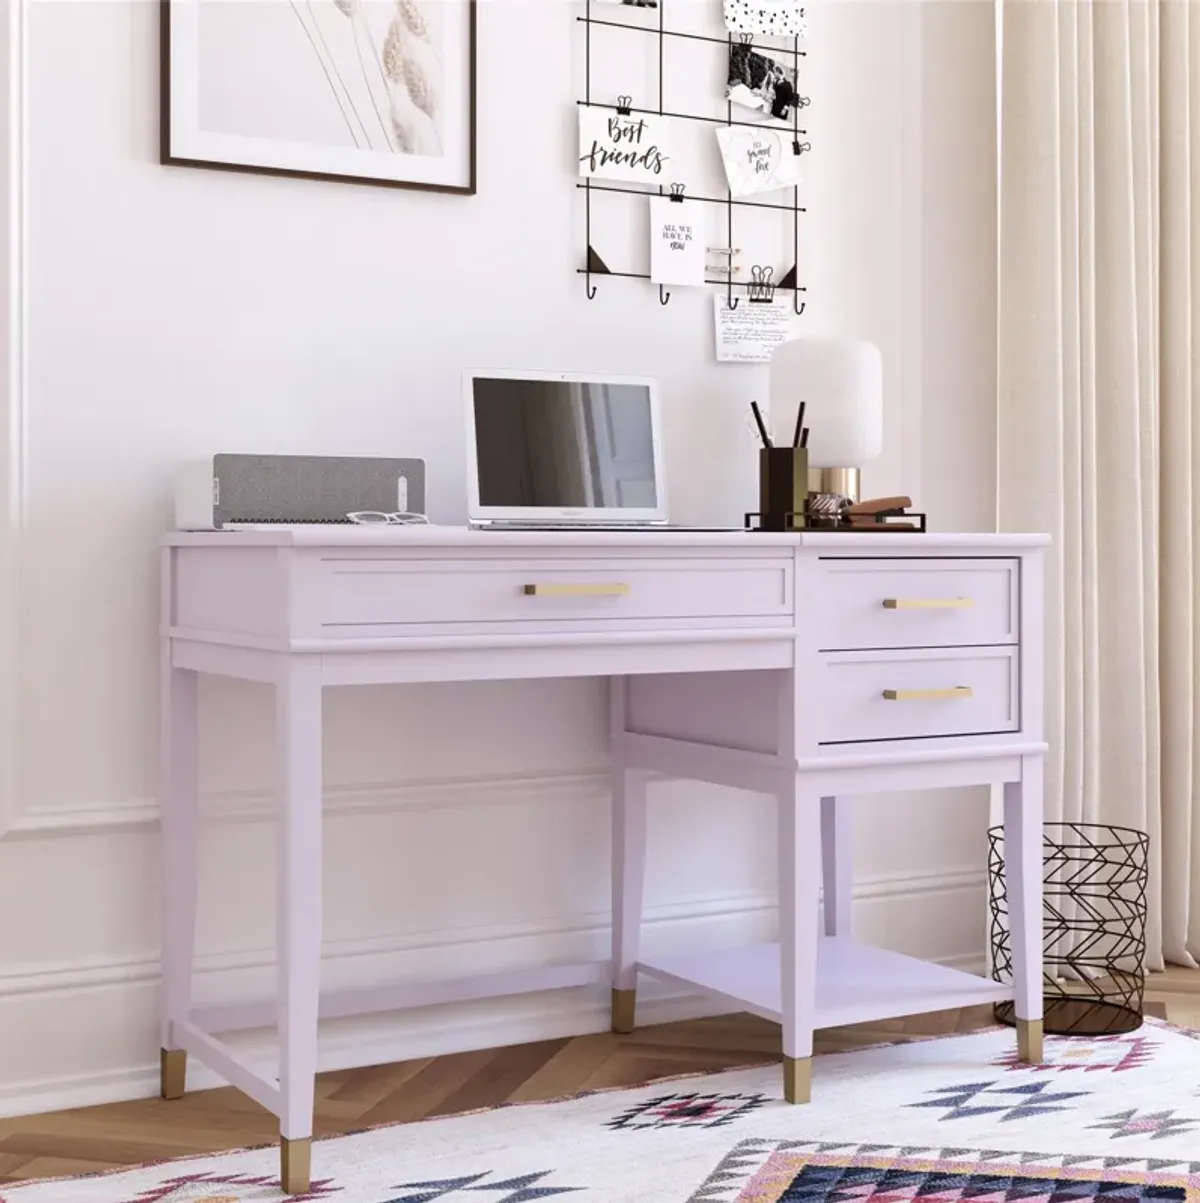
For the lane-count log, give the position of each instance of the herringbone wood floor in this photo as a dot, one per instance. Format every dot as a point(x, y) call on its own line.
point(121, 1134)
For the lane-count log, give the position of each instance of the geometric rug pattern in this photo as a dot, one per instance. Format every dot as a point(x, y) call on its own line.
point(688, 1110)
point(947, 1120)
point(1003, 1100)
point(1095, 1054)
point(788, 1171)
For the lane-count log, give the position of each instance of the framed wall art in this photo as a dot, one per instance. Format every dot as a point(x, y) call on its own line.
point(366, 91)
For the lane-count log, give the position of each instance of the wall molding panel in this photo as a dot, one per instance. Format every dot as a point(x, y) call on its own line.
point(259, 806)
point(14, 380)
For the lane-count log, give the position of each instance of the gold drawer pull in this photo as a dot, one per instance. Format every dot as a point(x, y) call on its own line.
point(927, 603)
point(602, 589)
point(927, 695)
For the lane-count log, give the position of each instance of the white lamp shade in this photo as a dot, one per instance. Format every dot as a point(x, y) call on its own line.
point(841, 382)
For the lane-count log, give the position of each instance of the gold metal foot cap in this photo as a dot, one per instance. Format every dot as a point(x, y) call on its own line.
point(295, 1165)
point(797, 1079)
point(172, 1073)
point(1029, 1041)
point(624, 1004)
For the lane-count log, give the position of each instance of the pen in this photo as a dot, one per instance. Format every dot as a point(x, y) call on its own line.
point(804, 437)
point(762, 426)
point(799, 424)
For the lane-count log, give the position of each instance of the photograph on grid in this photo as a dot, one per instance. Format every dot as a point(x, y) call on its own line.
point(761, 82)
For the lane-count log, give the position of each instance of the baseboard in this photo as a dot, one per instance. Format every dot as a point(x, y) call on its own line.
point(376, 1042)
point(371, 1041)
point(84, 1033)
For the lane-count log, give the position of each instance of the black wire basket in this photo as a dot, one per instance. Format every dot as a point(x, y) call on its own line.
point(1094, 927)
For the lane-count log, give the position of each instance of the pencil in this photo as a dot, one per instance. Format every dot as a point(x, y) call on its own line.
point(799, 424)
point(762, 426)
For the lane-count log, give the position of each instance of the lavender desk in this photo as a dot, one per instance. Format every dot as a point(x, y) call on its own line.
point(811, 667)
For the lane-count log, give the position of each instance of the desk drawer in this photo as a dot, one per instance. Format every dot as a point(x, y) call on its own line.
point(920, 602)
point(871, 696)
point(385, 592)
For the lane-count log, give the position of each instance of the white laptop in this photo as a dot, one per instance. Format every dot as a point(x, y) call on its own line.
point(560, 449)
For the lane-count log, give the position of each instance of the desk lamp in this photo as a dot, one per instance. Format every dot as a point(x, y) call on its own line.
point(840, 381)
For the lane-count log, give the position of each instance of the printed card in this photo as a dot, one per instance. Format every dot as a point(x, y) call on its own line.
point(758, 160)
point(676, 248)
point(613, 146)
point(784, 18)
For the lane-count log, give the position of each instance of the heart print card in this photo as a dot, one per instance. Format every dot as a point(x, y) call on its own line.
point(758, 160)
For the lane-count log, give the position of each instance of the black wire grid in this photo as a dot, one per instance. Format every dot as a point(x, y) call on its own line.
point(761, 288)
point(1094, 927)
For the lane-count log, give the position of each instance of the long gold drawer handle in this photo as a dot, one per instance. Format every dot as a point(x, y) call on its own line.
point(927, 603)
point(927, 695)
point(601, 589)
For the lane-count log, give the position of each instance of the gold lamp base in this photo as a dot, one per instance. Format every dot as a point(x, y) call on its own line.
point(842, 482)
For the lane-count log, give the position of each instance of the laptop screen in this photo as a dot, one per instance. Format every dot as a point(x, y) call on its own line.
point(564, 445)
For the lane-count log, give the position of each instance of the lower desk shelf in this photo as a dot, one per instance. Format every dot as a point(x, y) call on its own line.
point(855, 982)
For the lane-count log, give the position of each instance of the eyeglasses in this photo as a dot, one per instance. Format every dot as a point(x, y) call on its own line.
point(378, 518)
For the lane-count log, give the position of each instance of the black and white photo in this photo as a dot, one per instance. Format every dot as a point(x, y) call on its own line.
point(762, 82)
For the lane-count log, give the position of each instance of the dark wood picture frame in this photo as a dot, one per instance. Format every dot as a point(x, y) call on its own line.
point(167, 158)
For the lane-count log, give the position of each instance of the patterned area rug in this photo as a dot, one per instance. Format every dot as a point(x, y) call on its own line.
point(952, 1120)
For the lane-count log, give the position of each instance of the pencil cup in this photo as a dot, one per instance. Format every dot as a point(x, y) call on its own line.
point(782, 488)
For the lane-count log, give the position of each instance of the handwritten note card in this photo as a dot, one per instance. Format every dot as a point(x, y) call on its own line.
point(749, 333)
point(676, 248)
point(617, 147)
point(758, 160)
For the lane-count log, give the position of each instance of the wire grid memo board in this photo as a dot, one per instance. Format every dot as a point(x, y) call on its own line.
point(755, 280)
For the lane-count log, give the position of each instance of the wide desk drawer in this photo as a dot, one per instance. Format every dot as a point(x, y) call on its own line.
point(873, 696)
point(371, 593)
point(918, 602)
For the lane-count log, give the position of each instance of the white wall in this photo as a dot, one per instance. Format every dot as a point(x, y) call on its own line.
point(172, 312)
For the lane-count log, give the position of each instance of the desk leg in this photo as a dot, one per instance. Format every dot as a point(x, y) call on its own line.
point(799, 901)
point(180, 806)
point(629, 875)
point(1023, 819)
point(837, 861)
point(298, 718)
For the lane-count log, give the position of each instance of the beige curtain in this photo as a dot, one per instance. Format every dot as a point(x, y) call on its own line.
point(1099, 409)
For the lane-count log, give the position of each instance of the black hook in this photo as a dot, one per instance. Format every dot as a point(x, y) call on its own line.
point(591, 290)
point(663, 297)
point(732, 302)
